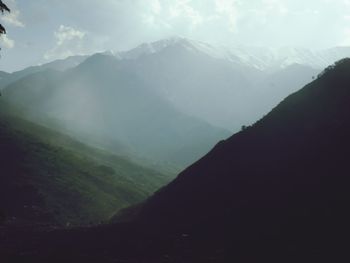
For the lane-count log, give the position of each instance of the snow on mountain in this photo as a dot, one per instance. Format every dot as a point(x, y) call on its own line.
point(262, 58)
point(227, 86)
point(155, 47)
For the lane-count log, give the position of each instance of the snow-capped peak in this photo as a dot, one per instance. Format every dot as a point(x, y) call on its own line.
point(158, 46)
point(261, 58)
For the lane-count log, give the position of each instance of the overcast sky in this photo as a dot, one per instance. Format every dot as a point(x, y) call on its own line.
point(43, 30)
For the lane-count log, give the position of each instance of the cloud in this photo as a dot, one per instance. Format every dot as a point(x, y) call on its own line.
point(156, 6)
point(346, 38)
point(12, 18)
point(69, 41)
point(6, 42)
point(346, 2)
point(66, 34)
point(122, 24)
point(275, 7)
point(183, 9)
point(228, 8)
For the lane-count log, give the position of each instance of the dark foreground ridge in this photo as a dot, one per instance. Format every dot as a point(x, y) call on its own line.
point(277, 191)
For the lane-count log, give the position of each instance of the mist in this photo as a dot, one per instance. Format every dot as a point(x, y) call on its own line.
point(38, 33)
point(174, 130)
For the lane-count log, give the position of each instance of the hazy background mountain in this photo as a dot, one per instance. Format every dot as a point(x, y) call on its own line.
point(169, 101)
point(110, 106)
point(224, 86)
point(59, 65)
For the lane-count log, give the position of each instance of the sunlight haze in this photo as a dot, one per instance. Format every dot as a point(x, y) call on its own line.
point(41, 31)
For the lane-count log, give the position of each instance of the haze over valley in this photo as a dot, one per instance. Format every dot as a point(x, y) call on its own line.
point(179, 131)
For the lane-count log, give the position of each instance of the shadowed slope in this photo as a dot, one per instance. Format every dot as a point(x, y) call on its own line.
point(285, 178)
point(277, 191)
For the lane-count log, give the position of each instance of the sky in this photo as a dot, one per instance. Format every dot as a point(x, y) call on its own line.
point(40, 31)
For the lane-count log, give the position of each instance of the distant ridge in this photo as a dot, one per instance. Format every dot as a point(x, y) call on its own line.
point(262, 58)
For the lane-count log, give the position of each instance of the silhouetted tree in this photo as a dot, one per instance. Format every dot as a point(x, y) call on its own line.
point(3, 8)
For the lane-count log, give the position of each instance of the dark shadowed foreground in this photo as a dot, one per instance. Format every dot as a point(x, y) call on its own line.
point(277, 191)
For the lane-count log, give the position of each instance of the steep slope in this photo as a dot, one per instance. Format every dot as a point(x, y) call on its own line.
point(199, 84)
point(228, 87)
point(276, 192)
point(101, 100)
point(280, 186)
point(216, 84)
point(46, 177)
point(274, 87)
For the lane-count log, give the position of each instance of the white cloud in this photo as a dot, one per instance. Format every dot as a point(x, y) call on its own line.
point(66, 33)
point(69, 41)
point(156, 6)
point(230, 9)
point(6, 42)
point(346, 38)
point(346, 2)
point(12, 18)
point(183, 9)
point(131, 22)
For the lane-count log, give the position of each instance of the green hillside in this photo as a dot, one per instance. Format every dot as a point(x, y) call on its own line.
point(47, 177)
point(102, 103)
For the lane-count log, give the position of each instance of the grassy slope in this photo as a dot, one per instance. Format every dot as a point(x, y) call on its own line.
point(49, 177)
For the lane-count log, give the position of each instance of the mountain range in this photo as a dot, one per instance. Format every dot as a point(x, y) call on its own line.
point(262, 58)
point(194, 76)
point(162, 104)
point(111, 107)
point(276, 191)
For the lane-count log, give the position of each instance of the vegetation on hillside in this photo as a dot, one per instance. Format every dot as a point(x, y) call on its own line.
point(47, 177)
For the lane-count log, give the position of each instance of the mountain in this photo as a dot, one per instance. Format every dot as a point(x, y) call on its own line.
point(278, 188)
point(219, 84)
point(48, 178)
point(201, 85)
point(273, 59)
point(3, 74)
point(261, 58)
point(275, 192)
point(268, 91)
point(193, 74)
point(59, 65)
point(107, 104)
